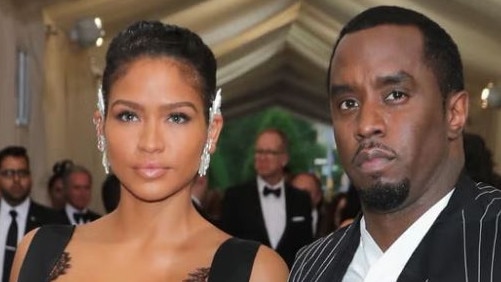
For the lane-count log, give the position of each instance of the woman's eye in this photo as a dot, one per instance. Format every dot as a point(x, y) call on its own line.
point(178, 118)
point(127, 116)
point(348, 104)
point(396, 95)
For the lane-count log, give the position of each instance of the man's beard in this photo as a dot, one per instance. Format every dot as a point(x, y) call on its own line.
point(384, 197)
point(14, 200)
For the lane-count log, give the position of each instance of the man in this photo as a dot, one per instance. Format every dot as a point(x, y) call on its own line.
point(18, 213)
point(77, 183)
point(310, 183)
point(399, 109)
point(266, 209)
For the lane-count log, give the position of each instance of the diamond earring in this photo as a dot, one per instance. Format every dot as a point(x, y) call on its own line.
point(101, 146)
point(205, 158)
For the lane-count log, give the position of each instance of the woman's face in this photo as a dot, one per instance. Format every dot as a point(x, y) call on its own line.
point(155, 127)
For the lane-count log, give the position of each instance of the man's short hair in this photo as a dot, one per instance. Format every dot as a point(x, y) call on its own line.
point(441, 54)
point(14, 151)
point(281, 135)
point(74, 169)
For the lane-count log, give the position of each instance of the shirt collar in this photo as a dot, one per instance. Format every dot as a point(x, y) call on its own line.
point(21, 209)
point(261, 183)
point(71, 209)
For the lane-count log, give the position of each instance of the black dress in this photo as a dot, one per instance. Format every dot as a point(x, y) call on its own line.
point(46, 259)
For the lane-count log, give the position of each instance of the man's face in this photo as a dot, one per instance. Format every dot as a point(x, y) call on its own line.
point(79, 190)
point(388, 116)
point(270, 157)
point(15, 180)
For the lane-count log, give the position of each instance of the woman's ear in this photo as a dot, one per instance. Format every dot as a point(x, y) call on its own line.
point(457, 113)
point(215, 130)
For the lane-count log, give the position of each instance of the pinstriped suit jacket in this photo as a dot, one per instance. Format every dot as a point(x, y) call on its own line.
point(463, 244)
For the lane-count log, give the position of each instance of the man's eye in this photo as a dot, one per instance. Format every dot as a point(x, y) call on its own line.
point(348, 104)
point(127, 116)
point(395, 95)
point(178, 118)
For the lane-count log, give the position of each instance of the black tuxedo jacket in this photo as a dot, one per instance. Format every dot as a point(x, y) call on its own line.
point(242, 217)
point(463, 244)
point(39, 215)
point(90, 214)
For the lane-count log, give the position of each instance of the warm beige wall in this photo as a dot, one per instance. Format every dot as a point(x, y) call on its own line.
point(69, 103)
point(23, 31)
point(62, 89)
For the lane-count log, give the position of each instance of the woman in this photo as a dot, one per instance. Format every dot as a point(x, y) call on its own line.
point(157, 124)
point(55, 184)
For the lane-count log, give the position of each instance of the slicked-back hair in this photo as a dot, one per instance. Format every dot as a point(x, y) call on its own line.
point(74, 169)
point(14, 151)
point(153, 39)
point(441, 54)
point(281, 135)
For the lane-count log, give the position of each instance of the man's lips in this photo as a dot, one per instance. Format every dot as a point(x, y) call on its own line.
point(373, 159)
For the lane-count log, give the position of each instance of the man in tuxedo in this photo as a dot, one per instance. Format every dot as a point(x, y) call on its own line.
point(399, 109)
point(311, 184)
point(267, 209)
point(18, 213)
point(77, 183)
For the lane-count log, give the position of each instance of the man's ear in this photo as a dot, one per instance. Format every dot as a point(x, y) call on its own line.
point(457, 113)
point(215, 130)
point(98, 121)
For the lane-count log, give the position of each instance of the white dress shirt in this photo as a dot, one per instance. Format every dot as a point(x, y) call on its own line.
point(371, 264)
point(6, 219)
point(314, 220)
point(274, 212)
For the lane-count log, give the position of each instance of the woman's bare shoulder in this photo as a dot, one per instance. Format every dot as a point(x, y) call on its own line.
point(269, 266)
point(22, 249)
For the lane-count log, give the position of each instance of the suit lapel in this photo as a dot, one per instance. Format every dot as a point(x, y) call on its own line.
point(344, 251)
point(257, 213)
point(419, 266)
point(32, 221)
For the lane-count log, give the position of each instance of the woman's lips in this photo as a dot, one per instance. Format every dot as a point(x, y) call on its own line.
point(150, 172)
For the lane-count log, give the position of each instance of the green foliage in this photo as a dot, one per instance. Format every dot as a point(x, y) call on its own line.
point(234, 159)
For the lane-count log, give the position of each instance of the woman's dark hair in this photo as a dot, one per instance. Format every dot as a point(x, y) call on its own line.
point(110, 192)
point(441, 54)
point(155, 39)
point(58, 170)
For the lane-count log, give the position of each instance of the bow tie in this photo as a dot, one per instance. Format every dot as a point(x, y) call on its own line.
point(80, 217)
point(268, 191)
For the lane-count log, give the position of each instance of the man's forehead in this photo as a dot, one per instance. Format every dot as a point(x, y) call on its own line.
point(13, 162)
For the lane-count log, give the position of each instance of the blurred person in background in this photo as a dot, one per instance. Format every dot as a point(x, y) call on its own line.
point(310, 183)
point(77, 182)
point(268, 209)
point(18, 213)
point(478, 160)
point(55, 187)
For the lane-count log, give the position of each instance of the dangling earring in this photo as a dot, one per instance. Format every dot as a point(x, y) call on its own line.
point(101, 141)
point(205, 157)
point(101, 146)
